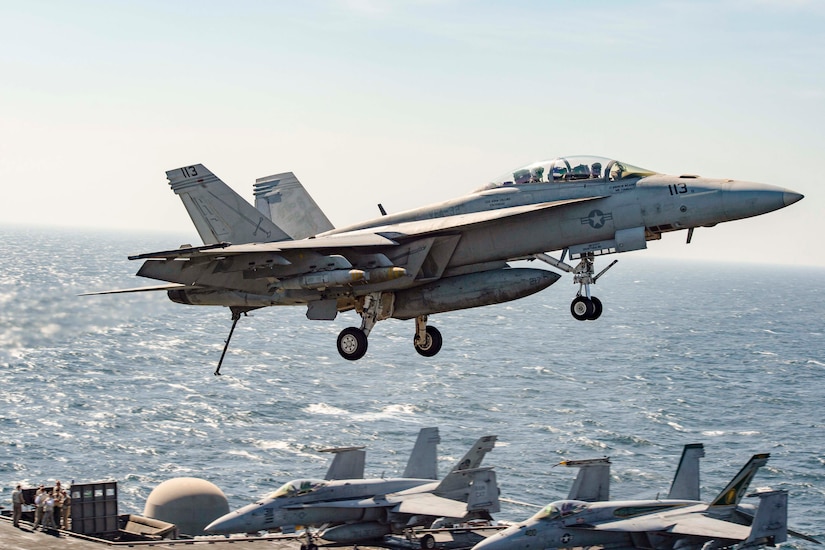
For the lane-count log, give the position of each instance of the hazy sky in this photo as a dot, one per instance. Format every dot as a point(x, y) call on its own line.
point(407, 102)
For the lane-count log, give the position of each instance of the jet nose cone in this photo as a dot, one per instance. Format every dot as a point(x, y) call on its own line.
point(790, 197)
point(228, 524)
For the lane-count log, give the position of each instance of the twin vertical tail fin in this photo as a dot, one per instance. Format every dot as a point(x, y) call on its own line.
point(283, 199)
point(592, 483)
point(685, 484)
point(218, 212)
point(423, 462)
point(476, 453)
point(738, 486)
point(348, 463)
point(469, 483)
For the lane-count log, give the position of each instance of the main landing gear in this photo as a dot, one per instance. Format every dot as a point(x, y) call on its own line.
point(584, 306)
point(353, 342)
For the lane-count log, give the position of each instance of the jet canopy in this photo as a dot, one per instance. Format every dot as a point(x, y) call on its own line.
point(560, 509)
point(567, 169)
point(298, 487)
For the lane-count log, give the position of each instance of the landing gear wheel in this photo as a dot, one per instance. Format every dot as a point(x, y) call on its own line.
point(427, 541)
point(597, 308)
point(352, 343)
point(582, 308)
point(430, 346)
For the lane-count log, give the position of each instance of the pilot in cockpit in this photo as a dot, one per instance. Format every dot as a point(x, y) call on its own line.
point(596, 170)
point(521, 176)
point(559, 173)
point(536, 174)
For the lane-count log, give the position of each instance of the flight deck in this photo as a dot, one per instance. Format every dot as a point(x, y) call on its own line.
point(26, 539)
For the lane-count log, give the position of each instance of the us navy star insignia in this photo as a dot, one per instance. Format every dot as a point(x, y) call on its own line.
point(597, 218)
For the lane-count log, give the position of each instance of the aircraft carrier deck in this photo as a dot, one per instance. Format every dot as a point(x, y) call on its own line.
point(25, 539)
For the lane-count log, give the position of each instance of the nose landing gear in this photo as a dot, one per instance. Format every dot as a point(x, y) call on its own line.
point(586, 309)
point(584, 306)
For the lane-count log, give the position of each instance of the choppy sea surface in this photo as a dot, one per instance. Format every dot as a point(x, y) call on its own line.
point(121, 387)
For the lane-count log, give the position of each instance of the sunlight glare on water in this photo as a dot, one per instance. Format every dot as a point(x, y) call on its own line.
point(121, 387)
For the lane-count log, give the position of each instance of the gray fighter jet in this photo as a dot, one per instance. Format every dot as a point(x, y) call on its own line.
point(443, 257)
point(656, 524)
point(592, 483)
point(355, 510)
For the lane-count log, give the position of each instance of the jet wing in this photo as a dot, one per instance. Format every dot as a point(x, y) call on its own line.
point(381, 236)
point(429, 504)
point(418, 228)
point(225, 249)
point(697, 525)
point(419, 503)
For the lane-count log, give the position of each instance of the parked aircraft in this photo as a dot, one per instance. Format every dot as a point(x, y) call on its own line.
point(349, 462)
point(656, 524)
point(355, 510)
point(443, 257)
point(592, 483)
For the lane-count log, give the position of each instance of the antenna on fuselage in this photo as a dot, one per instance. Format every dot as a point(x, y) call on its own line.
point(381, 209)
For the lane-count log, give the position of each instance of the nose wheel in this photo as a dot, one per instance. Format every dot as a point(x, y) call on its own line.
point(586, 309)
point(584, 306)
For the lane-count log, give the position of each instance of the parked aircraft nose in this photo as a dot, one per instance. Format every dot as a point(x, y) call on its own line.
point(745, 199)
point(233, 522)
point(503, 540)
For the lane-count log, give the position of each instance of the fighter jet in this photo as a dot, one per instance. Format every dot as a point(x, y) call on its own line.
point(355, 510)
point(592, 483)
point(443, 257)
point(655, 524)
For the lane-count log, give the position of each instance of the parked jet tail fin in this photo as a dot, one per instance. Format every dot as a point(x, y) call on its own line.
point(283, 199)
point(476, 453)
point(738, 486)
point(770, 524)
point(484, 492)
point(218, 212)
point(477, 487)
point(592, 483)
point(685, 484)
point(348, 463)
point(423, 461)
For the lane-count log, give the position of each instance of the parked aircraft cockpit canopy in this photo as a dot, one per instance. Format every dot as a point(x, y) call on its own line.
point(560, 509)
point(567, 169)
point(298, 487)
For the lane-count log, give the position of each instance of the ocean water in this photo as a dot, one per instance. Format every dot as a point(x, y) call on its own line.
point(121, 387)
